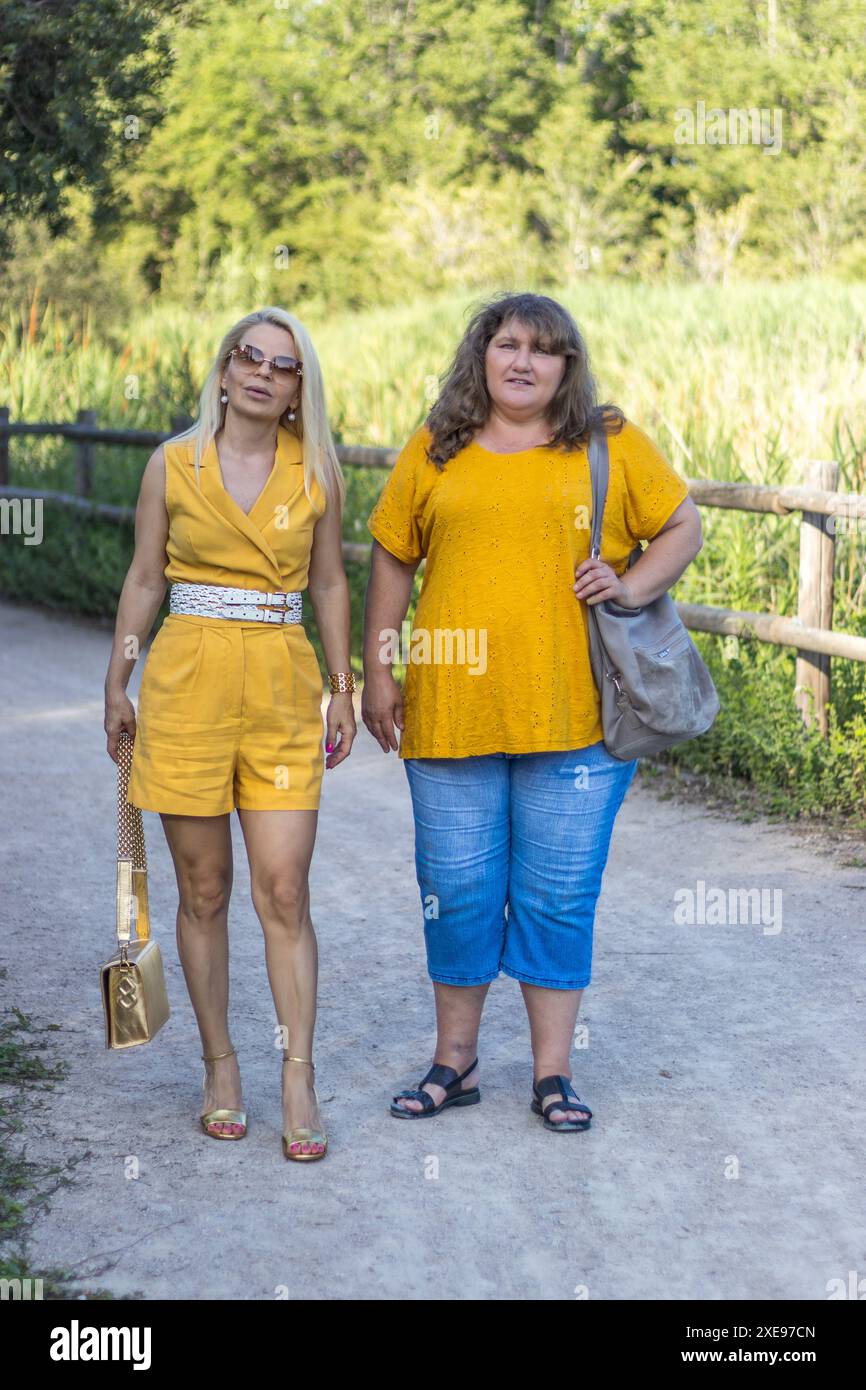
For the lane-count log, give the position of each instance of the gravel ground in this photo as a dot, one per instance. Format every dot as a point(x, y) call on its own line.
point(724, 1063)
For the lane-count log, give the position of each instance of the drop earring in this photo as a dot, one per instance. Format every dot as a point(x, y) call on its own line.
point(224, 396)
point(290, 415)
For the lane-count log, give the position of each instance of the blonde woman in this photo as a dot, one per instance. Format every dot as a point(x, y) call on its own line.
point(240, 514)
point(514, 793)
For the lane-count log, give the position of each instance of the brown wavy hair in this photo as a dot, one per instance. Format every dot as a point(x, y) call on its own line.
point(464, 401)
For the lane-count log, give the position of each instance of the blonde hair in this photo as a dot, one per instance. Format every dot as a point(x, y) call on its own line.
point(311, 418)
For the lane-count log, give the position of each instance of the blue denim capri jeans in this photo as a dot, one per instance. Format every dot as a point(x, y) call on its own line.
point(510, 849)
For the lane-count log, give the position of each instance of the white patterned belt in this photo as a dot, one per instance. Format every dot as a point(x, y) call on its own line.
point(224, 601)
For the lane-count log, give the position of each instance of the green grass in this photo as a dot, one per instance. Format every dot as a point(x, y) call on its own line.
point(732, 380)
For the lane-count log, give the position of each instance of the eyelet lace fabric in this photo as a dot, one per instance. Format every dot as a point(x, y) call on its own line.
point(498, 659)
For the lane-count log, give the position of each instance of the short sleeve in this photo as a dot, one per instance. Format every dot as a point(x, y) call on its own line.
point(395, 521)
point(653, 489)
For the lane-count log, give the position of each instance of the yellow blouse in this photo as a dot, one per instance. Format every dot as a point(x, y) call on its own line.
point(211, 540)
point(498, 660)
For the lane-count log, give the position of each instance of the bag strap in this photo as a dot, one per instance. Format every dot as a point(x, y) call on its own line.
point(131, 908)
point(599, 469)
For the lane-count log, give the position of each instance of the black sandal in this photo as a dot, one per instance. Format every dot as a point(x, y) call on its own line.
point(439, 1075)
point(559, 1085)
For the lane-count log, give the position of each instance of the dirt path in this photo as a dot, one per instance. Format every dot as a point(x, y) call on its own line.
point(724, 1062)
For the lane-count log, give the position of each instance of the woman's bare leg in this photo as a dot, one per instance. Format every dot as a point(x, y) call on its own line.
point(552, 1016)
point(280, 848)
point(458, 1017)
point(201, 849)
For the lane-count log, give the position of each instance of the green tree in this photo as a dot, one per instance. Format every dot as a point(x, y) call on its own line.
point(70, 75)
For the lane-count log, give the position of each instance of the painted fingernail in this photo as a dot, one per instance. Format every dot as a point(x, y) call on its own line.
point(329, 747)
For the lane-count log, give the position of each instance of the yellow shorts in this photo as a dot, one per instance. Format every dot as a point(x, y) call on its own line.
point(229, 715)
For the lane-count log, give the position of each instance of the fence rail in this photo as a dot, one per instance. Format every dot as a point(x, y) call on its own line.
point(816, 499)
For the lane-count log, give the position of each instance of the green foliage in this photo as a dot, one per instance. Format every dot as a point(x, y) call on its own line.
point(759, 737)
point(375, 151)
point(792, 201)
point(79, 565)
point(70, 74)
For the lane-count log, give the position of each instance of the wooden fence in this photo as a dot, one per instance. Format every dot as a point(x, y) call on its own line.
point(811, 632)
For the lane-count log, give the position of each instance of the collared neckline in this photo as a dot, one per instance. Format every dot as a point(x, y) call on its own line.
point(288, 455)
point(288, 446)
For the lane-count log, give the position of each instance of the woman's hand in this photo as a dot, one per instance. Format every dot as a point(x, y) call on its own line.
point(119, 717)
point(382, 707)
point(597, 581)
point(340, 719)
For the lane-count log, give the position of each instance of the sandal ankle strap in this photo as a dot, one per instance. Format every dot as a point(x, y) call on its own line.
point(446, 1077)
point(305, 1060)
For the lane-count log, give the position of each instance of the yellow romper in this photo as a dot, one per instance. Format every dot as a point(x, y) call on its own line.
point(230, 711)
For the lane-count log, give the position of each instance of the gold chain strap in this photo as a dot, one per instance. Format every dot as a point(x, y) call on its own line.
point(132, 908)
point(130, 829)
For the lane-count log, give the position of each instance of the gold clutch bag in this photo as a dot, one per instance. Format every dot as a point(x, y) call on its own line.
point(134, 998)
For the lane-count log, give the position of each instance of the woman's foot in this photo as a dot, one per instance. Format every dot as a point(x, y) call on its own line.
point(553, 1112)
point(300, 1106)
point(438, 1092)
point(222, 1091)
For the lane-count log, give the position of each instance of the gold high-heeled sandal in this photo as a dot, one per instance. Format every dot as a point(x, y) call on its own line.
point(232, 1117)
point(302, 1135)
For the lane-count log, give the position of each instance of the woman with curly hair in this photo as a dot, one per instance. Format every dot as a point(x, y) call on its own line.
point(514, 793)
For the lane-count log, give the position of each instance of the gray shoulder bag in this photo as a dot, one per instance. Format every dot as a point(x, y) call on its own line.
point(654, 688)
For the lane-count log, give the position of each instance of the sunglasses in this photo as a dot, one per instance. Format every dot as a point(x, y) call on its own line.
point(283, 367)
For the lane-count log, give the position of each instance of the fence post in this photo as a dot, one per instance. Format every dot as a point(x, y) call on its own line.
point(84, 456)
point(815, 599)
point(4, 447)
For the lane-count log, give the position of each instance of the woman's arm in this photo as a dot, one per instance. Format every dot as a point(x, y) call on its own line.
point(667, 556)
point(329, 595)
point(389, 590)
point(140, 599)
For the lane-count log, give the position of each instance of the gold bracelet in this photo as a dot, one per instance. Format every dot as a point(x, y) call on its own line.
point(342, 681)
